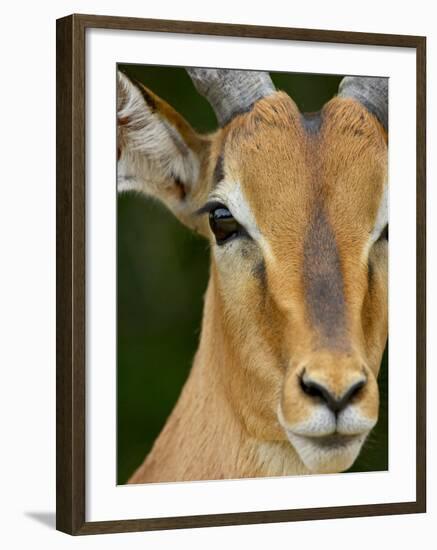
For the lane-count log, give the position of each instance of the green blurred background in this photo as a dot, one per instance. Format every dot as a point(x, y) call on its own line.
point(162, 272)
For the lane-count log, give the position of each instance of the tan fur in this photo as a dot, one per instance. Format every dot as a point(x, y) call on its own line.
point(258, 336)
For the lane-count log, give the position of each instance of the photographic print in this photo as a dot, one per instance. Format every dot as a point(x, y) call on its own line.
point(252, 274)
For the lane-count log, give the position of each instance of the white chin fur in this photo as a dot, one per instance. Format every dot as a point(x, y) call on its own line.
point(327, 446)
point(323, 459)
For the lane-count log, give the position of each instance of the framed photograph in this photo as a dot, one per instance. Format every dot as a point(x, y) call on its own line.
point(238, 341)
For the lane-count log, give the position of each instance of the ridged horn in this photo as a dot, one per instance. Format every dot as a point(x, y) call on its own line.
point(372, 92)
point(231, 91)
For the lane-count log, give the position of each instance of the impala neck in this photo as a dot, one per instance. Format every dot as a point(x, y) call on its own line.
point(204, 438)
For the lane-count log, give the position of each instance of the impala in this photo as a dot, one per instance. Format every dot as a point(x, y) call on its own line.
point(295, 318)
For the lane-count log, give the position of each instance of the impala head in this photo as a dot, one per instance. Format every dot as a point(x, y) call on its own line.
point(295, 208)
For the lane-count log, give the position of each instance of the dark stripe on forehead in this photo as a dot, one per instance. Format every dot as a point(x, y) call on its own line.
point(312, 122)
point(323, 280)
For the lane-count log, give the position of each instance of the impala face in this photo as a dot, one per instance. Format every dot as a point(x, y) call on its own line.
point(298, 231)
point(295, 209)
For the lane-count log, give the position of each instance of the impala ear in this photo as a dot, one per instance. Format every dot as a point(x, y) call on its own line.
point(159, 154)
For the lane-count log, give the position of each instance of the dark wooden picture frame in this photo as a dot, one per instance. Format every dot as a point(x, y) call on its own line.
point(71, 283)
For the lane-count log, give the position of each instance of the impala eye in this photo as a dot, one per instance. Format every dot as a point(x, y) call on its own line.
point(223, 224)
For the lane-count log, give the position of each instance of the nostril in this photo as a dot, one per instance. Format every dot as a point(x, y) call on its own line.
point(317, 390)
point(312, 388)
point(354, 390)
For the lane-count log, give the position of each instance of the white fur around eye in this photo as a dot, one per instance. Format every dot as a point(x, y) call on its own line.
point(381, 221)
point(381, 217)
point(232, 196)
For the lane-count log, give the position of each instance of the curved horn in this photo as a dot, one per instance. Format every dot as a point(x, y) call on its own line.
point(372, 92)
point(231, 91)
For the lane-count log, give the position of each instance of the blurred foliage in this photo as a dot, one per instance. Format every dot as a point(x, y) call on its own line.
point(162, 272)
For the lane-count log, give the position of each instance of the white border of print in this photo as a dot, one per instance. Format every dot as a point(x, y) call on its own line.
point(106, 500)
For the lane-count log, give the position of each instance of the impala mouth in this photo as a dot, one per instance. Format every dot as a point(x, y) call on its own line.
point(326, 443)
point(333, 441)
point(327, 454)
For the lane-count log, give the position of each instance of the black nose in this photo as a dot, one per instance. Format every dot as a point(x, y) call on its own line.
point(321, 392)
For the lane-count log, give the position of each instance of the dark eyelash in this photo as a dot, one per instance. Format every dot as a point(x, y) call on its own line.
point(209, 207)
